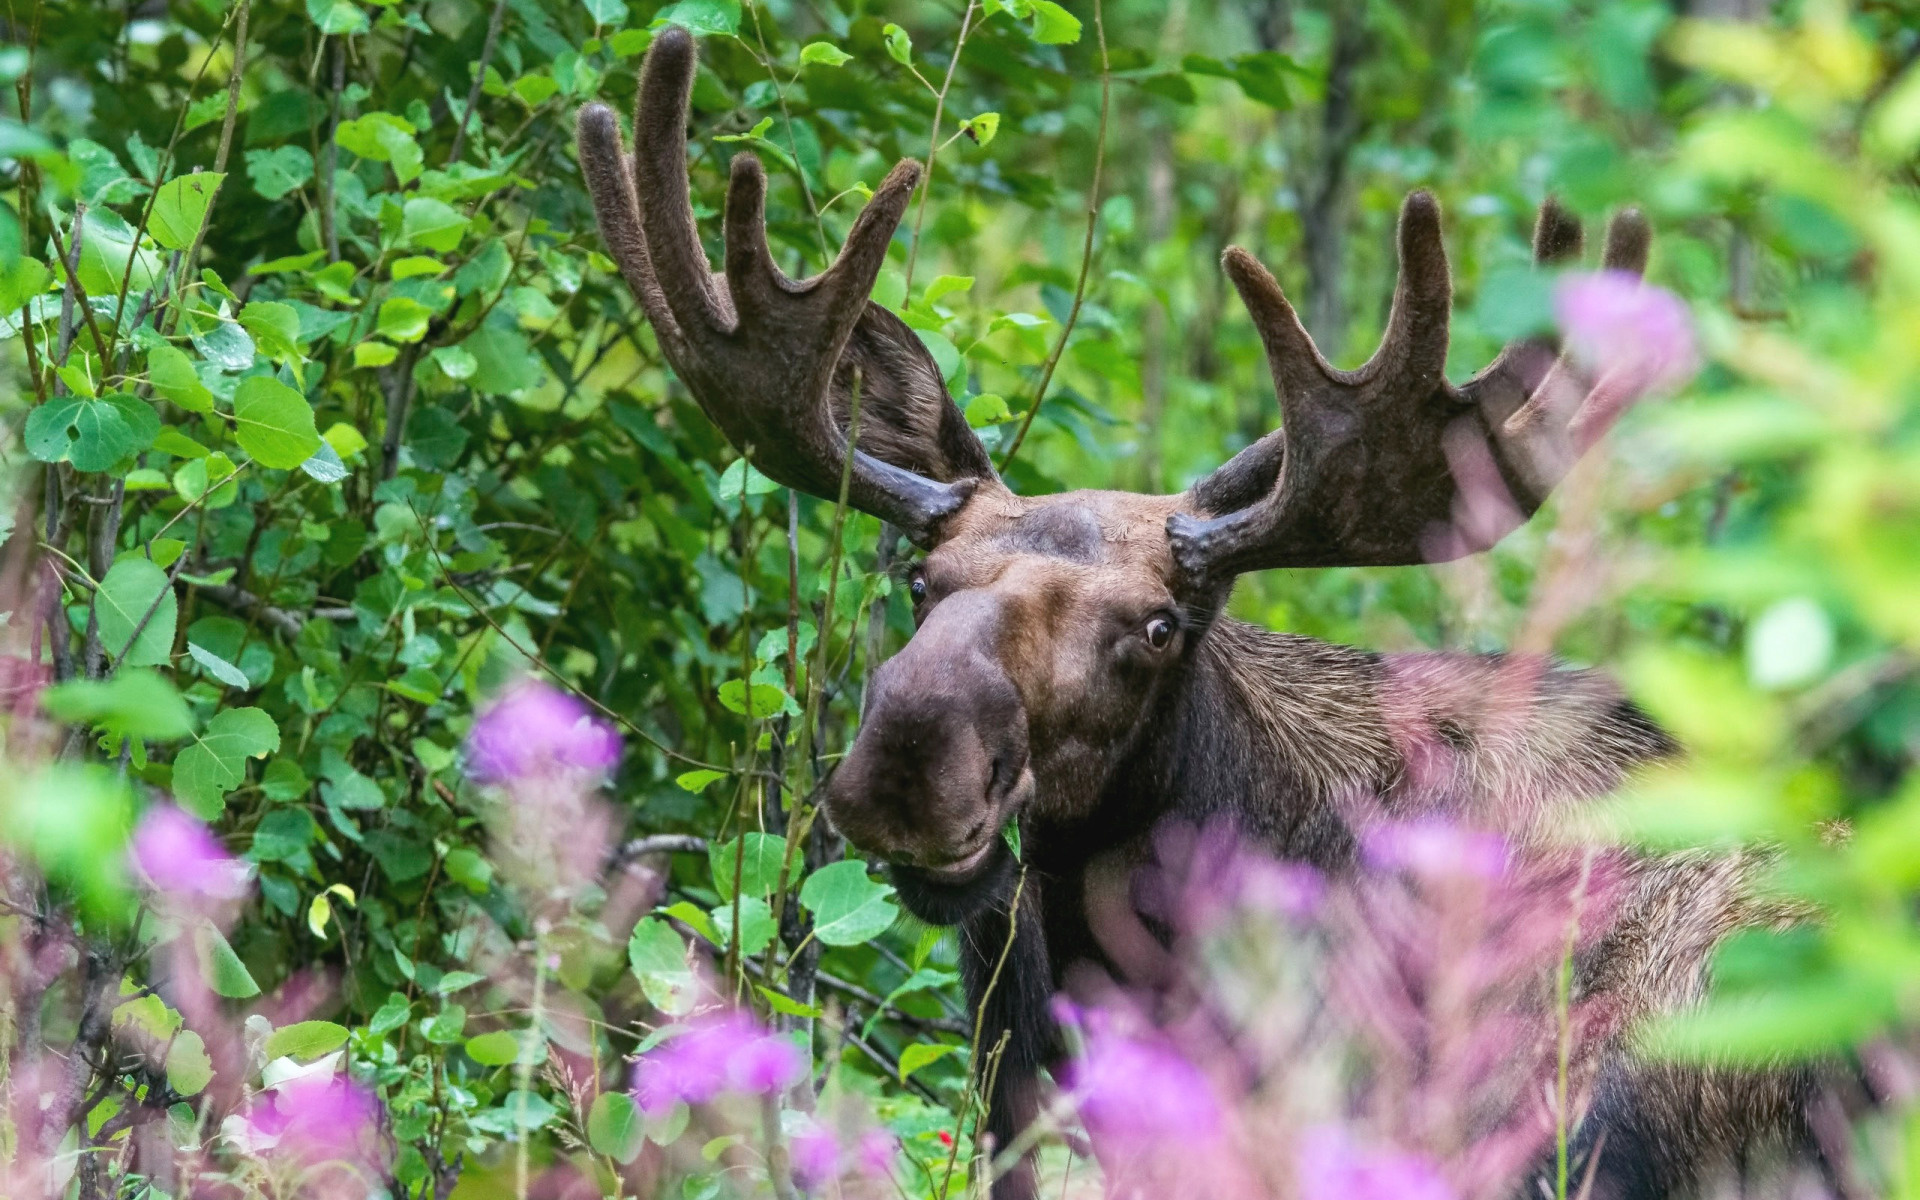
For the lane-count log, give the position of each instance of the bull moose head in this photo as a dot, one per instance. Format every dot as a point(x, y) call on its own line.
point(1047, 626)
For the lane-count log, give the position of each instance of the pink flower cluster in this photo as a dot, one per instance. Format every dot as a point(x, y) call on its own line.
point(1431, 848)
point(821, 1156)
point(1333, 1166)
point(533, 732)
point(1616, 322)
point(183, 860)
point(724, 1053)
point(317, 1119)
point(1133, 1084)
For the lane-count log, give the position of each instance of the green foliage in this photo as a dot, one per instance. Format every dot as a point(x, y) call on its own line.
point(396, 435)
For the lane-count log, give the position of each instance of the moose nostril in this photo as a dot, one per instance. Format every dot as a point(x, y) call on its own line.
point(973, 833)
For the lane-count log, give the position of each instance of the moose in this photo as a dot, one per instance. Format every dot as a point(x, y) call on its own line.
point(1071, 668)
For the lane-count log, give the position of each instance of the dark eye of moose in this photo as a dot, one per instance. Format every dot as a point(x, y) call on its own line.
point(1159, 632)
point(917, 587)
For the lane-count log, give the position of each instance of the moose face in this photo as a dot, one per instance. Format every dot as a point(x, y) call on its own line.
point(1043, 629)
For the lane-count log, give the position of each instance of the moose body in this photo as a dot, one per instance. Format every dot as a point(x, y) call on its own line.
point(1071, 668)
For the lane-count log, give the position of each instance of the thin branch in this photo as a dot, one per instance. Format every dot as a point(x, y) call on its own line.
point(494, 24)
point(1086, 248)
point(934, 144)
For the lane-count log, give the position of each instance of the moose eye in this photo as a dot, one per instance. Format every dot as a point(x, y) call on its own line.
point(917, 587)
point(1159, 632)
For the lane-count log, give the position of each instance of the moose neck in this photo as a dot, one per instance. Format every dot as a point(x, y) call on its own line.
point(1289, 738)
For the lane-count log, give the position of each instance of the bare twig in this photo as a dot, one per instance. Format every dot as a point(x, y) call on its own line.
point(933, 141)
point(494, 24)
point(1086, 247)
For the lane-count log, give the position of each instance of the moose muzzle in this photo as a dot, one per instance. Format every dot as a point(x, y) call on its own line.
point(941, 759)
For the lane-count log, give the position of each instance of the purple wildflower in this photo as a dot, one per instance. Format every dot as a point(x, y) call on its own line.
point(815, 1155)
point(533, 731)
point(183, 859)
point(316, 1119)
point(728, 1053)
point(874, 1153)
point(1434, 848)
point(1137, 1086)
point(1333, 1167)
point(1616, 322)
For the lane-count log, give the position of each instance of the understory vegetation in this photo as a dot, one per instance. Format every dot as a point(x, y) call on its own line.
point(415, 711)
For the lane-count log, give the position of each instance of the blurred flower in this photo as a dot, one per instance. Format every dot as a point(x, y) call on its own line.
point(728, 1053)
point(315, 1118)
point(1137, 1085)
point(1435, 848)
point(815, 1155)
point(534, 731)
point(182, 858)
point(1616, 322)
point(1333, 1166)
point(820, 1155)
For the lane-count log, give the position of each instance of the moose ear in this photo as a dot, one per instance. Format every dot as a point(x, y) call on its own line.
point(906, 416)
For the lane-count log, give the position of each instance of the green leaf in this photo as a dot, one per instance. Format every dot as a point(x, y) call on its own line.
point(606, 12)
point(273, 423)
point(457, 362)
point(697, 781)
point(947, 285)
point(1053, 25)
point(848, 907)
point(701, 16)
point(447, 1026)
point(922, 1054)
point(740, 477)
point(126, 596)
point(899, 44)
point(374, 354)
point(987, 409)
point(217, 667)
point(94, 435)
point(495, 1049)
point(983, 128)
point(759, 864)
point(527, 1110)
point(180, 207)
point(432, 224)
point(825, 54)
point(132, 703)
point(221, 967)
point(659, 961)
point(216, 763)
point(307, 1040)
point(615, 1127)
point(275, 328)
point(391, 1015)
point(278, 171)
point(337, 16)
point(21, 282)
point(786, 1005)
point(189, 1068)
point(174, 379)
point(757, 925)
point(403, 319)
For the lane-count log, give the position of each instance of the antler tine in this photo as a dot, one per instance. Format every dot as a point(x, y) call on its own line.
point(1414, 347)
point(1390, 464)
point(769, 359)
point(616, 208)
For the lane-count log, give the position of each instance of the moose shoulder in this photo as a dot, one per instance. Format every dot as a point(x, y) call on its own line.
point(1071, 670)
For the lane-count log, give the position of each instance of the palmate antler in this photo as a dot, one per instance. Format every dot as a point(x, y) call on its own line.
point(1390, 464)
point(774, 362)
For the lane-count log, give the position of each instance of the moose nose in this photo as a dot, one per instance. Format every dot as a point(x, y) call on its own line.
point(941, 750)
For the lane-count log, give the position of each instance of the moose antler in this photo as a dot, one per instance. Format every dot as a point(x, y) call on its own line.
point(774, 362)
point(1390, 464)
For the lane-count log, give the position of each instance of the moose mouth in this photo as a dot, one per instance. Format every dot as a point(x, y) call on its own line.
point(963, 870)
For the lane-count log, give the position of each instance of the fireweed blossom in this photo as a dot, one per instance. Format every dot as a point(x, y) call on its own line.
point(1434, 848)
point(722, 1054)
point(1333, 1166)
point(313, 1119)
point(183, 860)
point(534, 732)
point(1134, 1085)
point(820, 1156)
point(1614, 322)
